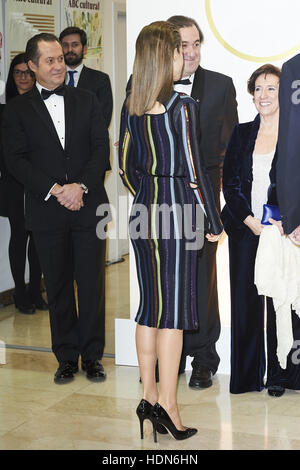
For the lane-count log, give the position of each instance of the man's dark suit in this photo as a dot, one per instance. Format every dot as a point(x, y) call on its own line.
point(66, 241)
point(288, 163)
point(99, 83)
point(215, 94)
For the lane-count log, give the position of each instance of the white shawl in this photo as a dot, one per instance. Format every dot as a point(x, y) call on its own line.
point(277, 275)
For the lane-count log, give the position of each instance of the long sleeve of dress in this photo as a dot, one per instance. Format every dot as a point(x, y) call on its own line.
point(127, 160)
point(188, 125)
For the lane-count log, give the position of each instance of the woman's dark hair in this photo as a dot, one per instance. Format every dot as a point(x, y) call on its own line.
point(265, 69)
point(10, 89)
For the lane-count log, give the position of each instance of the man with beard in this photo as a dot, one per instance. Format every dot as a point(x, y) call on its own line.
point(74, 44)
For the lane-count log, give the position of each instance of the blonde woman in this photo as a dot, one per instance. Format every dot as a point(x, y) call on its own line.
point(160, 164)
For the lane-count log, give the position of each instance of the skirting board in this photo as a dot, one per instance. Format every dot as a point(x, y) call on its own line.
point(125, 351)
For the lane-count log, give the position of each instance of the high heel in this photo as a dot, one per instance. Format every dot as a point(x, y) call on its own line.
point(160, 417)
point(143, 412)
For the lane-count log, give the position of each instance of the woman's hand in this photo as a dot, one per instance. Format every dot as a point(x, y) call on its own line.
point(254, 224)
point(295, 235)
point(278, 224)
point(213, 238)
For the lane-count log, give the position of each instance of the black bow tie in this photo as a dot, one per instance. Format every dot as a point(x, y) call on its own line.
point(185, 81)
point(60, 90)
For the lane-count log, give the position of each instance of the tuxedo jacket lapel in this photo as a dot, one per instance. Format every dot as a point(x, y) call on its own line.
point(69, 115)
point(198, 85)
point(40, 107)
point(83, 81)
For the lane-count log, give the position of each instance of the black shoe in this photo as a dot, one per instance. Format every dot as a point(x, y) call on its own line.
point(143, 412)
point(201, 377)
point(160, 416)
point(94, 370)
point(65, 372)
point(276, 391)
point(40, 304)
point(24, 306)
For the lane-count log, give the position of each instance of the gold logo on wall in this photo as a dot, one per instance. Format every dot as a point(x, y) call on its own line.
point(242, 55)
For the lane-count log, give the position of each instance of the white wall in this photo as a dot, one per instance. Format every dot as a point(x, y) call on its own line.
point(264, 30)
point(114, 44)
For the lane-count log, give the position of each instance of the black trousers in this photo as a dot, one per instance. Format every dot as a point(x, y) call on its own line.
point(249, 353)
point(74, 254)
point(201, 344)
point(247, 317)
point(290, 376)
point(21, 245)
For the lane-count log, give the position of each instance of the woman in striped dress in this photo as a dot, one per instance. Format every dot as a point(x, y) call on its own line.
point(160, 163)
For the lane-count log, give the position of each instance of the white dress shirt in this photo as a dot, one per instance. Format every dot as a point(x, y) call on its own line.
point(76, 75)
point(56, 107)
point(187, 89)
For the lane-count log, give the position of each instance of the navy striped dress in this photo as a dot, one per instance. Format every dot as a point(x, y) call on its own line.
point(159, 157)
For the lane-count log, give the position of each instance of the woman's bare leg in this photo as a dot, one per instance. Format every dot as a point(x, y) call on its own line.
point(169, 347)
point(146, 339)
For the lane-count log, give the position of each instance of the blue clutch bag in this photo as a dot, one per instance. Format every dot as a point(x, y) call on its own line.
point(270, 212)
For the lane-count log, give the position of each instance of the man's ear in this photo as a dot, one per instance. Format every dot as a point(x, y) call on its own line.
point(84, 50)
point(32, 66)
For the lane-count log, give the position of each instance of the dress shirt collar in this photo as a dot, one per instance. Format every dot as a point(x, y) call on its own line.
point(187, 89)
point(40, 87)
point(78, 69)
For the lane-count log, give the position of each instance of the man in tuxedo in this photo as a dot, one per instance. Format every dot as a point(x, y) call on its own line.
point(216, 97)
point(74, 44)
point(55, 143)
point(288, 162)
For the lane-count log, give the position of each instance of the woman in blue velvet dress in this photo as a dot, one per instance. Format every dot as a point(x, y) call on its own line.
point(160, 163)
point(248, 183)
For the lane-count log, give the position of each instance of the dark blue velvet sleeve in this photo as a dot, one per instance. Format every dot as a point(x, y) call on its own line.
point(232, 177)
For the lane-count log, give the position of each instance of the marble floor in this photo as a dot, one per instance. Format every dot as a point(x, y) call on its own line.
point(33, 331)
point(36, 414)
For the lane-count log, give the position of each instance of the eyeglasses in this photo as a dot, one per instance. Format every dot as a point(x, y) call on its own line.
point(21, 73)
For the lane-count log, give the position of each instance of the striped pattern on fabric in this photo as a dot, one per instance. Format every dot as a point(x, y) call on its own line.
point(159, 157)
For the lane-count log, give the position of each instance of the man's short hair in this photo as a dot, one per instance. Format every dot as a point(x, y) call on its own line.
point(180, 21)
point(32, 47)
point(74, 30)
